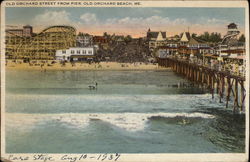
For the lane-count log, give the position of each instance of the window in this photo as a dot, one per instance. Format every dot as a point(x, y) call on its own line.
point(78, 52)
point(64, 52)
point(89, 52)
point(72, 51)
point(83, 52)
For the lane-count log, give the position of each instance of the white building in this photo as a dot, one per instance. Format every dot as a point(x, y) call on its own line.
point(156, 39)
point(75, 54)
point(84, 40)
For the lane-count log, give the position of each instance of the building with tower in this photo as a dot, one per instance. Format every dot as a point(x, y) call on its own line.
point(27, 31)
point(230, 46)
point(230, 39)
point(156, 39)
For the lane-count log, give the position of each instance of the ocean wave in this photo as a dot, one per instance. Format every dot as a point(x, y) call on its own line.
point(126, 121)
point(204, 98)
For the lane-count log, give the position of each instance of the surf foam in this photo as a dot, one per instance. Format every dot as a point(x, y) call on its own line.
point(126, 121)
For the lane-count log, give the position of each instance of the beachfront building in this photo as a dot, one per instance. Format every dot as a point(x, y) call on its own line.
point(84, 40)
point(192, 42)
point(43, 45)
point(14, 37)
point(156, 39)
point(199, 48)
point(75, 54)
point(26, 31)
point(185, 37)
point(193, 47)
point(196, 43)
point(101, 41)
point(171, 49)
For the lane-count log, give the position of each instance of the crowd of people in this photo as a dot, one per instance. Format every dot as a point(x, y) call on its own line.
point(233, 66)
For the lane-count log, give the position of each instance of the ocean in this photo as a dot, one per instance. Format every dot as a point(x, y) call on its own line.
point(129, 112)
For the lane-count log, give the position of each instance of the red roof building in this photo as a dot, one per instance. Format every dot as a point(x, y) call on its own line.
point(99, 39)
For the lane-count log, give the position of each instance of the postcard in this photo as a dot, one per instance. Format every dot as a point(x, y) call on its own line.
point(125, 81)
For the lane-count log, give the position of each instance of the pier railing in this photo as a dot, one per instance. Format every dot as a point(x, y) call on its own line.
point(227, 85)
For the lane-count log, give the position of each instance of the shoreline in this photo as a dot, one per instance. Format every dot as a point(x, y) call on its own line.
point(80, 66)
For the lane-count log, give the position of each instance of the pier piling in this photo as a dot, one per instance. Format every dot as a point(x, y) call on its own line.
point(223, 82)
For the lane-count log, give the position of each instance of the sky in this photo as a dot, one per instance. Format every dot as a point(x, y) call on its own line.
point(129, 21)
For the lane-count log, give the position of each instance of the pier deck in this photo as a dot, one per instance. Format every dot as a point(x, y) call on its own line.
point(228, 86)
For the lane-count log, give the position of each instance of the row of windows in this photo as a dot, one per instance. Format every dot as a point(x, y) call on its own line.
point(198, 45)
point(78, 52)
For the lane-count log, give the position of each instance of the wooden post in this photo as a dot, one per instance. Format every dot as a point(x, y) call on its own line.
point(228, 90)
point(218, 83)
point(243, 95)
point(212, 88)
point(202, 77)
point(236, 104)
point(222, 86)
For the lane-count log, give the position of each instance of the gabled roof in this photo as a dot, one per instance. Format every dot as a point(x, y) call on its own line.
point(155, 34)
point(195, 41)
point(185, 37)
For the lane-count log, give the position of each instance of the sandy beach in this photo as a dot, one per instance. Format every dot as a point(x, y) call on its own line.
point(56, 65)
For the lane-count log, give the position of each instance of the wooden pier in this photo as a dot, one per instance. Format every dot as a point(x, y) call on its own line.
point(226, 85)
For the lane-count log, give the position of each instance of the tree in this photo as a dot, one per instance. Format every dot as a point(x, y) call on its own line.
point(177, 36)
point(80, 34)
point(206, 36)
point(194, 35)
point(213, 37)
point(242, 38)
point(105, 34)
point(128, 39)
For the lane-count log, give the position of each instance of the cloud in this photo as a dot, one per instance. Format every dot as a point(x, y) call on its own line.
point(49, 18)
point(139, 25)
point(212, 21)
point(91, 23)
point(89, 18)
point(143, 22)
